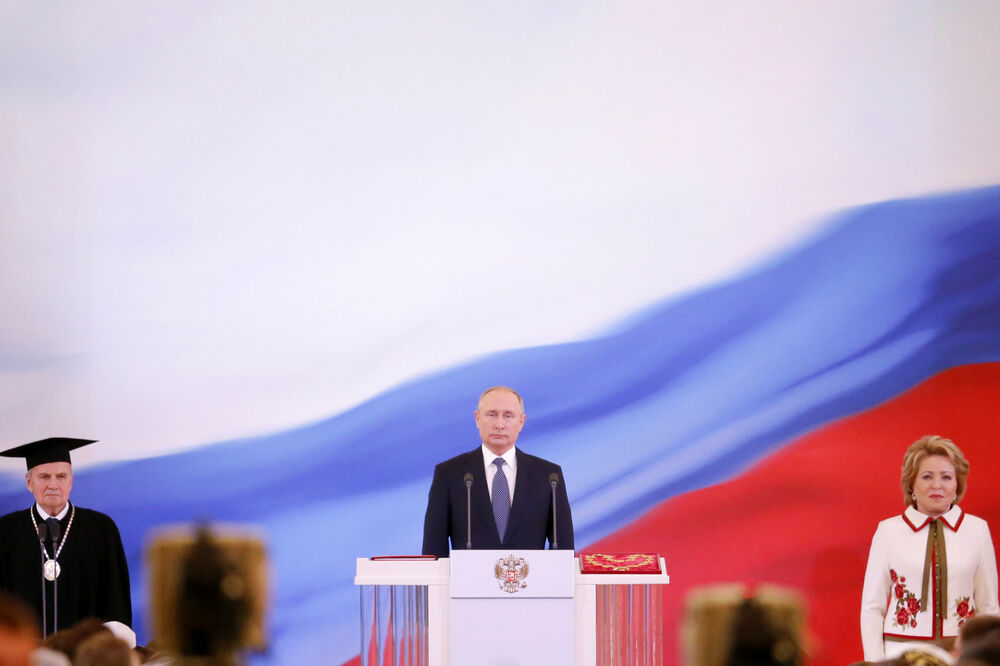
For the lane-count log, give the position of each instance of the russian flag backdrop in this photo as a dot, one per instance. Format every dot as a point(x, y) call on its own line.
point(735, 259)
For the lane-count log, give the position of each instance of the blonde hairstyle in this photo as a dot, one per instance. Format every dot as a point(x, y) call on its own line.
point(508, 389)
point(932, 445)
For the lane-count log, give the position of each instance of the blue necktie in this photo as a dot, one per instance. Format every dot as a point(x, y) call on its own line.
point(501, 499)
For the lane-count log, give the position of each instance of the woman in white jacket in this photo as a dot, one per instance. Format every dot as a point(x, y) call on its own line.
point(932, 567)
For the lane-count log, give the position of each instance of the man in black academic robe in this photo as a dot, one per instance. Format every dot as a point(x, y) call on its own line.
point(92, 578)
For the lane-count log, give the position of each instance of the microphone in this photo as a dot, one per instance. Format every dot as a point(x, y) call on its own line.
point(468, 510)
point(54, 530)
point(554, 481)
point(43, 536)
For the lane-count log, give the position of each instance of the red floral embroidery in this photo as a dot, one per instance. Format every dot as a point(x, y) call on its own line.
point(907, 604)
point(963, 610)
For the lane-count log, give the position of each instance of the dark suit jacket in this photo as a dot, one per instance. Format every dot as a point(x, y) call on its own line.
point(530, 522)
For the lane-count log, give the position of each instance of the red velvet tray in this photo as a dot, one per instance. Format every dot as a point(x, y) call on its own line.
point(620, 563)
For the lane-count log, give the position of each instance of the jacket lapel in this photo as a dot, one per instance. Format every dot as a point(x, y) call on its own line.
point(482, 508)
point(521, 484)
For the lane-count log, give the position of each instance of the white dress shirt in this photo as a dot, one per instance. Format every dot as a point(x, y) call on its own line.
point(45, 516)
point(509, 469)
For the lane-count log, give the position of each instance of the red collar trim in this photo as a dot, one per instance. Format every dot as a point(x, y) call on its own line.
point(911, 517)
point(915, 528)
point(958, 523)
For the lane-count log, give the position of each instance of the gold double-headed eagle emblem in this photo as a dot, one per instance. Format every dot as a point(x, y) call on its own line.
point(510, 573)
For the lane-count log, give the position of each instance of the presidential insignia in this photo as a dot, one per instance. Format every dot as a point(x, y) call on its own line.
point(510, 573)
point(592, 563)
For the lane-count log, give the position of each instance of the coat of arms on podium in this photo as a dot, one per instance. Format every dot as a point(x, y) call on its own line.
point(510, 573)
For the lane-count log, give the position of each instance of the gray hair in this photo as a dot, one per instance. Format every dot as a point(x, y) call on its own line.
point(491, 389)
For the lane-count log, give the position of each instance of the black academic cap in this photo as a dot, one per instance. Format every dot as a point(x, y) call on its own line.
point(53, 449)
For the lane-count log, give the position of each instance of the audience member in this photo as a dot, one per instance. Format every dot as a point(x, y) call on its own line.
point(104, 649)
point(214, 601)
point(208, 594)
point(975, 628)
point(928, 655)
point(18, 632)
point(729, 625)
point(981, 651)
point(43, 656)
point(756, 640)
point(68, 640)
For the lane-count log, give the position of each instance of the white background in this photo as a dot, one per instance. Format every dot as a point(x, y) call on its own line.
point(220, 219)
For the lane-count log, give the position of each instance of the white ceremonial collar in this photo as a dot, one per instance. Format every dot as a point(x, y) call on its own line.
point(45, 516)
point(917, 521)
point(510, 457)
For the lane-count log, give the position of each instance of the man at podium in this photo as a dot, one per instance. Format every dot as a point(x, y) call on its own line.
point(497, 496)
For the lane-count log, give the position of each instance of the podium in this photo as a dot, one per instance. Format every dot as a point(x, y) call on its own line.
point(455, 612)
point(511, 607)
